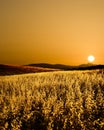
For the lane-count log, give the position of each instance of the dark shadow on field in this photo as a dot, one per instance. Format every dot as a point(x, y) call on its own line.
point(37, 121)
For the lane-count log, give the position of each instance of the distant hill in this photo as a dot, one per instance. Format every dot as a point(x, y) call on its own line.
point(54, 66)
point(43, 67)
point(68, 67)
point(12, 70)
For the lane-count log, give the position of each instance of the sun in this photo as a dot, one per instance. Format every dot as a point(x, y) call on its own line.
point(91, 58)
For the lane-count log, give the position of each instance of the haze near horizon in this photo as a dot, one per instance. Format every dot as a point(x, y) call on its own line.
point(55, 31)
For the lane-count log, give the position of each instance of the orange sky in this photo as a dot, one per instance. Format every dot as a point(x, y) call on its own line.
point(52, 31)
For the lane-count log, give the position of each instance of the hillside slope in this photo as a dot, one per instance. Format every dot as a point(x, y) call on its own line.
point(12, 70)
point(68, 67)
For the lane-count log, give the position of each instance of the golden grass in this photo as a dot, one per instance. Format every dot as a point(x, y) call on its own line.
point(72, 100)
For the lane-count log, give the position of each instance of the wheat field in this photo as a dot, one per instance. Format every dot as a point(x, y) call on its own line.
point(62, 100)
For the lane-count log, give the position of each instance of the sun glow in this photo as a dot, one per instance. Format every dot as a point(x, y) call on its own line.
point(91, 58)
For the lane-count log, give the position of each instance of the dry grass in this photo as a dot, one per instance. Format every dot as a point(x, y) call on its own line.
point(71, 100)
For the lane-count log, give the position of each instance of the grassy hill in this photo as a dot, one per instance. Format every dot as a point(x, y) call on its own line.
point(68, 67)
point(12, 70)
point(43, 67)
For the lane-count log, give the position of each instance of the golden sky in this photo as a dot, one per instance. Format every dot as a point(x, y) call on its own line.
point(52, 31)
